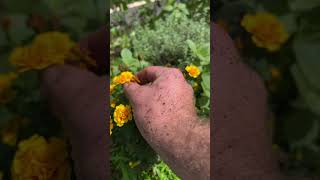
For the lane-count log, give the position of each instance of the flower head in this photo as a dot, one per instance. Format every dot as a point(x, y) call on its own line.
point(193, 71)
point(37, 158)
point(123, 78)
point(5, 86)
point(46, 49)
point(267, 31)
point(122, 114)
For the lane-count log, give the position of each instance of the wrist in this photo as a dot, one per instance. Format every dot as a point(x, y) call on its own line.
point(188, 153)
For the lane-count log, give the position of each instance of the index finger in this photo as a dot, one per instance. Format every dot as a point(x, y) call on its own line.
point(150, 74)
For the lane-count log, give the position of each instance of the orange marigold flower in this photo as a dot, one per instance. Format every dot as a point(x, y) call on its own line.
point(37, 158)
point(46, 49)
point(266, 29)
point(193, 71)
point(123, 78)
point(122, 114)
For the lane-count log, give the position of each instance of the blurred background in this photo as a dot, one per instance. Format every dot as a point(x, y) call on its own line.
point(289, 65)
point(281, 41)
point(35, 34)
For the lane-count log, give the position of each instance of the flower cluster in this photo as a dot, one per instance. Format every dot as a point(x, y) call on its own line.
point(37, 158)
point(122, 113)
point(123, 78)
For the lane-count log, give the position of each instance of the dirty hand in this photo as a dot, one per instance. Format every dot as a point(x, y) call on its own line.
point(78, 99)
point(165, 114)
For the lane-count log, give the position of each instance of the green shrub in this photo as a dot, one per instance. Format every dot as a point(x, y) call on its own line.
point(166, 42)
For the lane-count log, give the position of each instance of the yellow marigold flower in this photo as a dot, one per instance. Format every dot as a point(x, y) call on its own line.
point(123, 78)
point(122, 114)
point(37, 158)
point(193, 71)
point(267, 31)
point(46, 49)
point(5, 86)
point(111, 126)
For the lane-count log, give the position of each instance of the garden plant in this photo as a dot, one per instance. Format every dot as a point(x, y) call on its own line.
point(174, 39)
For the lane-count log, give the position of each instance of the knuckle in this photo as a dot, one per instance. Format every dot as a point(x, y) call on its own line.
point(176, 72)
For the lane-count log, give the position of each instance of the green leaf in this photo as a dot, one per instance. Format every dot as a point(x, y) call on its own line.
point(75, 24)
point(303, 5)
point(297, 124)
point(201, 51)
point(306, 48)
point(27, 81)
point(204, 54)
point(309, 140)
point(310, 96)
point(126, 54)
point(18, 30)
point(192, 46)
point(206, 83)
point(132, 63)
point(144, 64)
point(204, 101)
point(168, 8)
point(290, 22)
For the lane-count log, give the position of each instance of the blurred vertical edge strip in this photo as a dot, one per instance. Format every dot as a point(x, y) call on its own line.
point(108, 92)
point(101, 53)
point(212, 77)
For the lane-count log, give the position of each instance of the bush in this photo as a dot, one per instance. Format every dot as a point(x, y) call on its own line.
point(165, 43)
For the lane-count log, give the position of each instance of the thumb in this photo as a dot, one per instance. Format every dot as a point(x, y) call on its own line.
point(133, 92)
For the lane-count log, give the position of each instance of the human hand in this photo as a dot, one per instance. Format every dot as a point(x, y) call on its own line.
point(161, 104)
point(242, 145)
point(165, 114)
point(78, 98)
